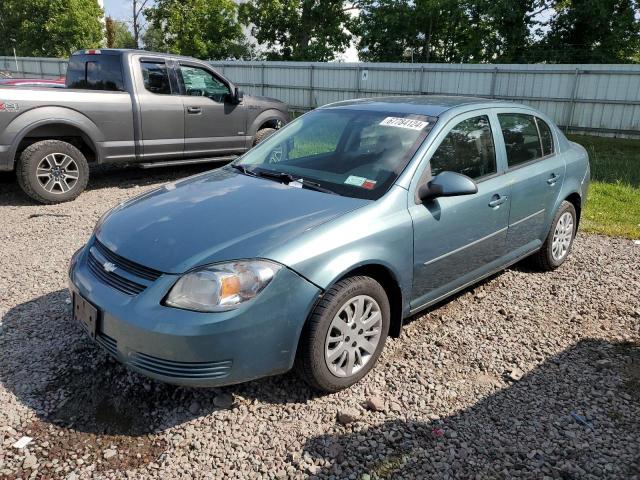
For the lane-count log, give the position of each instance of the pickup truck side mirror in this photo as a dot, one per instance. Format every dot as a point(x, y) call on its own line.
point(447, 184)
point(238, 95)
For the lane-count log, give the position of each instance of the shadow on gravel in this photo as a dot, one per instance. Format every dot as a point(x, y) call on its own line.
point(87, 403)
point(575, 416)
point(107, 176)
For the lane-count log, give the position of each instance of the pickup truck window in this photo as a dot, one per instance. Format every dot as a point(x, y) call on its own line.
point(95, 72)
point(200, 83)
point(156, 77)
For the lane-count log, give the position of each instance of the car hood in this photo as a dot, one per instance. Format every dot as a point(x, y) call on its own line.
point(216, 216)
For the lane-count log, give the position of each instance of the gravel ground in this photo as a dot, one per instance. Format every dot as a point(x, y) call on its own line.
point(527, 375)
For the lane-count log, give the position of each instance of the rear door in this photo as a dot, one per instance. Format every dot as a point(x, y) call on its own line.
point(161, 111)
point(213, 124)
point(458, 239)
point(535, 173)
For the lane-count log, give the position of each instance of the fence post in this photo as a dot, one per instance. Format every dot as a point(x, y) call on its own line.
point(494, 77)
point(358, 81)
point(311, 87)
point(262, 79)
point(572, 102)
point(422, 92)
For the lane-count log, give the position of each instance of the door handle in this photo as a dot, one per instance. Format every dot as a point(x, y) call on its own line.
point(552, 179)
point(497, 200)
point(194, 110)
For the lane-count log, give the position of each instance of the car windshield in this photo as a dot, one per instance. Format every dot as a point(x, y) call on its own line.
point(354, 153)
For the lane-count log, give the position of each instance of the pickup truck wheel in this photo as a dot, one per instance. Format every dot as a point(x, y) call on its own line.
point(345, 334)
point(262, 134)
point(52, 171)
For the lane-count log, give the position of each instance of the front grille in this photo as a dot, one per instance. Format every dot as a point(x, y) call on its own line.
point(108, 343)
point(113, 279)
point(127, 265)
point(169, 368)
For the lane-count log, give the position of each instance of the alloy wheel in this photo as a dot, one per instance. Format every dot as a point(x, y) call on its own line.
point(562, 236)
point(57, 173)
point(353, 336)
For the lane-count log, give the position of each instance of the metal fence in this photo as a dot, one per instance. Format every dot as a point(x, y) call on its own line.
point(600, 99)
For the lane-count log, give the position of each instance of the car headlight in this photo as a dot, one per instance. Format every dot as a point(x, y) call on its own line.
point(222, 286)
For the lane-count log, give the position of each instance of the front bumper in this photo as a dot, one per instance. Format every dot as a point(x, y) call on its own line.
point(193, 348)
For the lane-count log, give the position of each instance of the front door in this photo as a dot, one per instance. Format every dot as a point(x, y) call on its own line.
point(457, 239)
point(213, 124)
point(535, 173)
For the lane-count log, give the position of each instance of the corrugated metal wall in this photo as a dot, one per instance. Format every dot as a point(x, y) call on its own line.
point(602, 99)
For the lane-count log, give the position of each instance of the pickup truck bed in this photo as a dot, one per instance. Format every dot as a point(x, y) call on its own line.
point(126, 106)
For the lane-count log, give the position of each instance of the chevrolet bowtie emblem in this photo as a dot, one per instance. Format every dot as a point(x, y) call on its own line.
point(108, 267)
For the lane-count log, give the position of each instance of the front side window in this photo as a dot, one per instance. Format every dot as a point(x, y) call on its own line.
point(198, 82)
point(156, 77)
point(468, 149)
point(521, 138)
point(354, 153)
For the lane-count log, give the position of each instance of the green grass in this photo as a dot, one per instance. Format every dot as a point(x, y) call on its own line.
point(613, 205)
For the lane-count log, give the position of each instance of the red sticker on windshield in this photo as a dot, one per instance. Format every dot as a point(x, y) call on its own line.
point(369, 184)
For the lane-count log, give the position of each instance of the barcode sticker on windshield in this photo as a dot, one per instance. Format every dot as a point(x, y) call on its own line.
point(409, 123)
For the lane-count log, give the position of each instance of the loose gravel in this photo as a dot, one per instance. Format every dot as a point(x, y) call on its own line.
point(527, 375)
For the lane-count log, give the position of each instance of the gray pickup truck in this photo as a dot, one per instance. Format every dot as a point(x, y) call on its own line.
point(126, 106)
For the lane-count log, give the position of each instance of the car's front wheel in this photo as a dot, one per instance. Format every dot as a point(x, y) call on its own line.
point(52, 171)
point(557, 245)
point(345, 334)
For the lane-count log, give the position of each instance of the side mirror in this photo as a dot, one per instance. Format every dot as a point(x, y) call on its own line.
point(447, 184)
point(238, 95)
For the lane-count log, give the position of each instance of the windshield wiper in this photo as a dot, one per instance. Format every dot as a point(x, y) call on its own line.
point(281, 176)
point(244, 169)
point(316, 186)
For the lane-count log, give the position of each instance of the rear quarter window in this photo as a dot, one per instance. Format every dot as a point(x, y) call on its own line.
point(95, 72)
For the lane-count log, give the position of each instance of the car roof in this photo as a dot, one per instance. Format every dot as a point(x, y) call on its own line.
point(429, 105)
point(132, 51)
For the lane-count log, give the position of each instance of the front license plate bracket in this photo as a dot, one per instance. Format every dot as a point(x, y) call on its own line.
point(85, 314)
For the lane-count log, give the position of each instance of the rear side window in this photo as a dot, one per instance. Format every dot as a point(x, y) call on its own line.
point(95, 72)
point(156, 77)
point(468, 149)
point(521, 138)
point(546, 138)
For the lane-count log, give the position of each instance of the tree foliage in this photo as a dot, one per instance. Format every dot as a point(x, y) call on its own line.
point(207, 29)
point(594, 31)
point(314, 30)
point(49, 27)
point(118, 34)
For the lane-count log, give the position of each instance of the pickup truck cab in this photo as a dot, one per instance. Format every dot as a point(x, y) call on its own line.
point(125, 107)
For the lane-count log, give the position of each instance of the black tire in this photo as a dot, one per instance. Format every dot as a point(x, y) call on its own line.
point(311, 364)
point(32, 156)
point(544, 259)
point(262, 134)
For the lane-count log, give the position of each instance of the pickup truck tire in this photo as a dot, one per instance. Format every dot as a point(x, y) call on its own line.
point(52, 171)
point(262, 134)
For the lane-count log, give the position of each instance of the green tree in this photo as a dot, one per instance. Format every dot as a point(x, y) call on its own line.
point(153, 39)
point(118, 34)
point(594, 31)
point(206, 29)
point(312, 30)
point(49, 27)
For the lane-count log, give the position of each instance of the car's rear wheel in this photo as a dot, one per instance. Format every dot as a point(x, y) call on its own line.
point(556, 248)
point(262, 134)
point(52, 171)
point(345, 334)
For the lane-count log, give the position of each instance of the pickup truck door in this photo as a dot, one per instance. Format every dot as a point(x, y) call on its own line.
point(213, 124)
point(161, 111)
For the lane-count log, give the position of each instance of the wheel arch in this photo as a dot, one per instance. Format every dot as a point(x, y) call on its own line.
point(58, 124)
point(267, 119)
point(575, 199)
